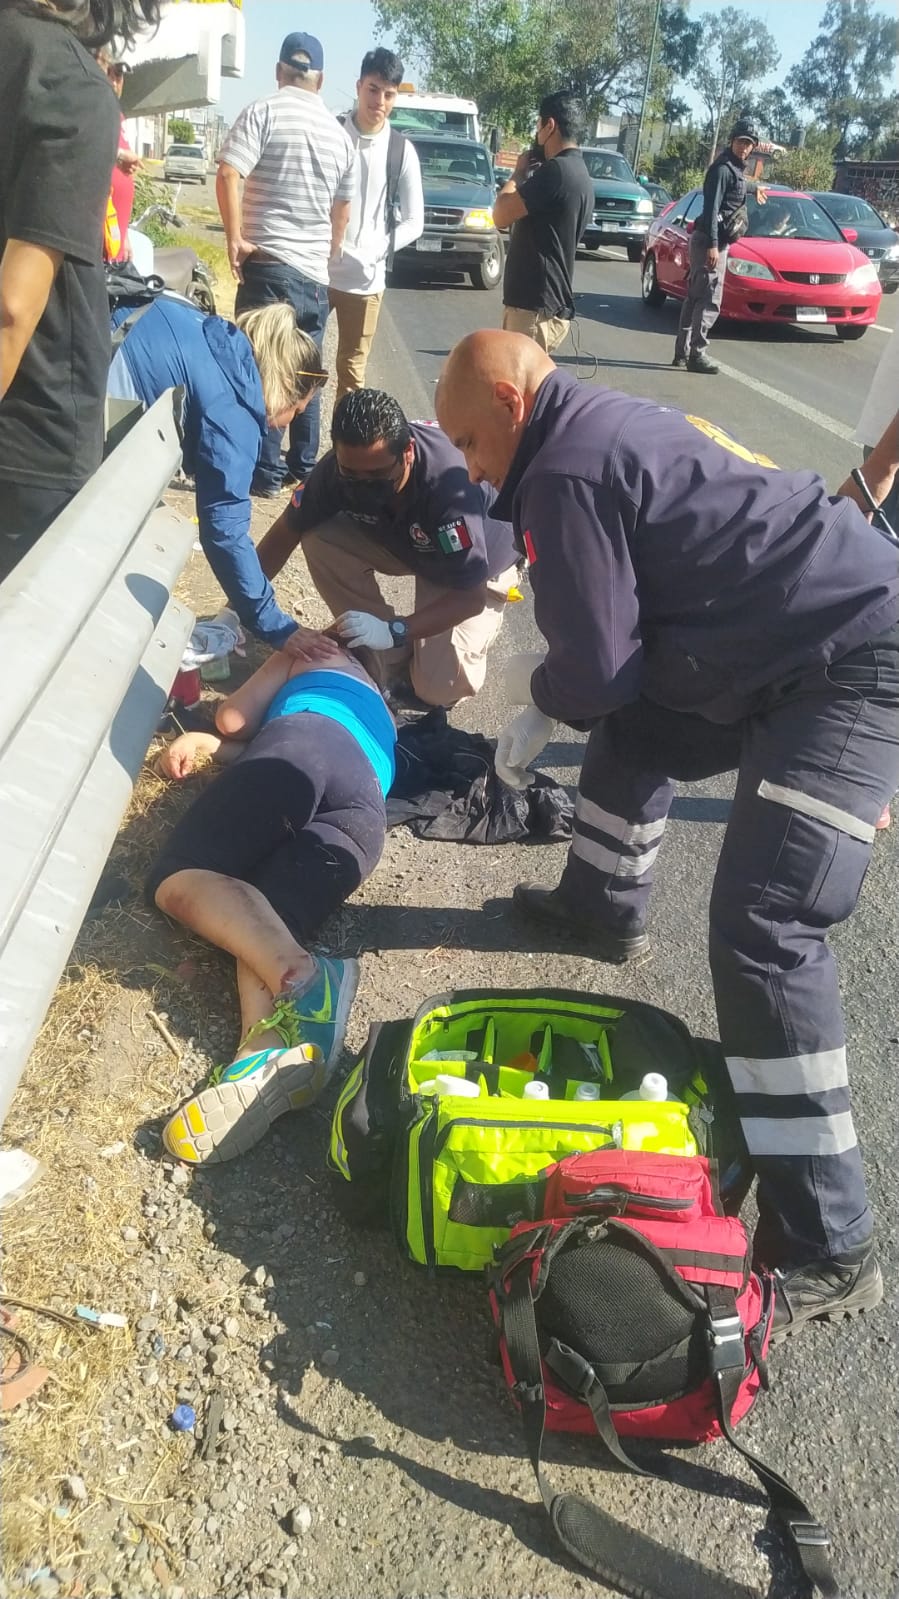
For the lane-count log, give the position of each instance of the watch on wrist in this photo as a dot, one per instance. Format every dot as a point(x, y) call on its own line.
point(399, 630)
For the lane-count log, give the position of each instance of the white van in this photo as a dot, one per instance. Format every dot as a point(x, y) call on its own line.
point(436, 113)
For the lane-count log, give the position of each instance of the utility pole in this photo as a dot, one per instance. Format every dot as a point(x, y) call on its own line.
point(646, 84)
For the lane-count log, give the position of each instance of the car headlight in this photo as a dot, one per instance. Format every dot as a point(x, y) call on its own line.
point(479, 219)
point(863, 277)
point(644, 206)
point(741, 268)
point(892, 254)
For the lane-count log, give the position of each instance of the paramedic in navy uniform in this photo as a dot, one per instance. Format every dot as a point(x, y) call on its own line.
point(394, 496)
point(703, 613)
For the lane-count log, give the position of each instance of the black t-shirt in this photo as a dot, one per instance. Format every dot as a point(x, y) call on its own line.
point(59, 130)
point(540, 261)
point(439, 527)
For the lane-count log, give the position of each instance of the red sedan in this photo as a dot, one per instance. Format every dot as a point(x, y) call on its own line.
point(794, 265)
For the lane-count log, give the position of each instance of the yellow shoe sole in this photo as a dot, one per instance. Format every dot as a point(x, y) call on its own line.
point(229, 1118)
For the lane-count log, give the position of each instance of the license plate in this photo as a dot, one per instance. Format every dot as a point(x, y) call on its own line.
point(811, 313)
point(609, 227)
point(433, 245)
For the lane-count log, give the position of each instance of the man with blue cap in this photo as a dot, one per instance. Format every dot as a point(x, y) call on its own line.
point(298, 170)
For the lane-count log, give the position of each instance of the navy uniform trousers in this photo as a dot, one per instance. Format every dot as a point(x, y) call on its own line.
point(816, 763)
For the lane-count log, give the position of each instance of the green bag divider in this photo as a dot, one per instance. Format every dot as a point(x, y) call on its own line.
point(456, 1172)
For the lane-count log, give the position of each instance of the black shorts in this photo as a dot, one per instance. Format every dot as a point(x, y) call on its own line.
point(300, 815)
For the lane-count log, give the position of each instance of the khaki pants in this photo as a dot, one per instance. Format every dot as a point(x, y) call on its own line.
point(452, 666)
point(547, 331)
point(357, 319)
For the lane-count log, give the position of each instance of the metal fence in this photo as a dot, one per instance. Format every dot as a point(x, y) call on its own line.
point(92, 640)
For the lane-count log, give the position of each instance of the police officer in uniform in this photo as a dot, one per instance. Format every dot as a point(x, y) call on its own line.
point(394, 497)
point(703, 613)
point(722, 222)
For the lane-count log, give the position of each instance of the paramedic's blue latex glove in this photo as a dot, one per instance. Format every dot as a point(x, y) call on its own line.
point(361, 628)
point(520, 741)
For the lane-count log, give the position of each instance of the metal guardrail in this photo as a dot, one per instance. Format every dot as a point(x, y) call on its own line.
point(92, 641)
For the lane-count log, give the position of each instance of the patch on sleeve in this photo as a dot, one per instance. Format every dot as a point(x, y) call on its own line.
point(529, 550)
point(454, 537)
point(419, 537)
point(297, 496)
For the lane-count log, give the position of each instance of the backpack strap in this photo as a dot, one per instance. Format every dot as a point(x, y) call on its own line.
point(396, 153)
point(624, 1558)
point(124, 328)
point(809, 1539)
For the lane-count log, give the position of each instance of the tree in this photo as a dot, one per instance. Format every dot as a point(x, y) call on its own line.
point(842, 76)
point(181, 130)
point(735, 51)
point(808, 168)
point(777, 115)
point(506, 54)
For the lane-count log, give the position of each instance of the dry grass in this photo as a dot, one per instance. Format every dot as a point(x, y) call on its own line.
point(62, 1243)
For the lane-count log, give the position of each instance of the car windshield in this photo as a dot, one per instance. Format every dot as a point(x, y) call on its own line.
point(658, 192)
point(850, 212)
point(194, 150)
point(417, 119)
point(789, 216)
point(456, 163)
point(607, 164)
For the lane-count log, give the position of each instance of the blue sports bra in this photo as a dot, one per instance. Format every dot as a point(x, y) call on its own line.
point(355, 705)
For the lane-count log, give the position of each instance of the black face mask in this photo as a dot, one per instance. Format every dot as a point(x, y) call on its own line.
point(369, 498)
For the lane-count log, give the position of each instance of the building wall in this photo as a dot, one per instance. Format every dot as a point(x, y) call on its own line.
point(197, 43)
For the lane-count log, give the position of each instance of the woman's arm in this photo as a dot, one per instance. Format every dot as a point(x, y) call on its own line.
point(180, 758)
point(240, 715)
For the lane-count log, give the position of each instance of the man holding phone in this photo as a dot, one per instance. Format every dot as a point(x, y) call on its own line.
point(546, 202)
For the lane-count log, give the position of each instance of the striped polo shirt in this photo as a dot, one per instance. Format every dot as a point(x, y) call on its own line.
point(296, 160)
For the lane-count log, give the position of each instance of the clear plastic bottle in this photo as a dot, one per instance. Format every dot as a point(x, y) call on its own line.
point(588, 1091)
point(535, 1090)
point(654, 1087)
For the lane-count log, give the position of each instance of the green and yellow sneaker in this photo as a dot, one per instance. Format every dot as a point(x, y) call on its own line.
point(239, 1104)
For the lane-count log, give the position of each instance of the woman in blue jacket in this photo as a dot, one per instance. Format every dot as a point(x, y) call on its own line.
point(237, 382)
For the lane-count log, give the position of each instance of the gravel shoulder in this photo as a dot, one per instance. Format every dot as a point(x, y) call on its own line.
point(366, 1444)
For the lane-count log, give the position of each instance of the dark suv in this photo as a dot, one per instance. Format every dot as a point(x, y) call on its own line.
point(459, 232)
point(622, 209)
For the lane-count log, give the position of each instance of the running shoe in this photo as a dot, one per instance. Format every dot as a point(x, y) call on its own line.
point(240, 1102)
point(316, 1012)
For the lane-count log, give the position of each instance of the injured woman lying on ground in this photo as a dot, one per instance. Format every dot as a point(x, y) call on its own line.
point(265, 854)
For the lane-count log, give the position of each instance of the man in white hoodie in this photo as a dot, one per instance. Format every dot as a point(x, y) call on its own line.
point(386, 213)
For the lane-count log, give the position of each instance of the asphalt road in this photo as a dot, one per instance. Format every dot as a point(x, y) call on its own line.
point(831, 1418)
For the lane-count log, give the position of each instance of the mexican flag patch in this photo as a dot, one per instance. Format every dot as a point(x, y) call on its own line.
point(454, 537)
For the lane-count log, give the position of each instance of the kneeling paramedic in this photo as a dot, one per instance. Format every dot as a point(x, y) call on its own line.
point(702, 613)
point(394, 497)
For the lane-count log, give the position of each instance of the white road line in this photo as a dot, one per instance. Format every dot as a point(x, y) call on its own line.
point(879, 328)
point(808, 411)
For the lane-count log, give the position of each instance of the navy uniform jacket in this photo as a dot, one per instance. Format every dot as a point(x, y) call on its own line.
point(441, 526)
point(667, 564)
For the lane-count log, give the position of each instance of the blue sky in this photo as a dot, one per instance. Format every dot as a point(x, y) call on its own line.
point(346, 29)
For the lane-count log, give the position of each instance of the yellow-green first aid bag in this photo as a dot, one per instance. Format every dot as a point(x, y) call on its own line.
point(456, 1169)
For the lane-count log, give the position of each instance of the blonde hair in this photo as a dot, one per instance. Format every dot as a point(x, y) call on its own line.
point(289, 362)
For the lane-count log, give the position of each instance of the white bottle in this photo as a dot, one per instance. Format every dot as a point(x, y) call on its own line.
point(446, 1083)
point(534, 1090)
point(588, 1091)
point(653, 1087)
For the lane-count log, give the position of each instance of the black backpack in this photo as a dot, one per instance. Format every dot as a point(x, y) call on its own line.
point(125, 286)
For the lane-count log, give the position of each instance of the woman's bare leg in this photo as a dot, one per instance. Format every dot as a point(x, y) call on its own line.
point(256, 1002)
point(235, 917)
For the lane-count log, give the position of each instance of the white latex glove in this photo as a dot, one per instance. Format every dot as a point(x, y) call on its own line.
point(518, 671)
point(360, 627)
point(519, 742)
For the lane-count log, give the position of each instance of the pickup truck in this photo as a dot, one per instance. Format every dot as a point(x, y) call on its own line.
point(622, 209)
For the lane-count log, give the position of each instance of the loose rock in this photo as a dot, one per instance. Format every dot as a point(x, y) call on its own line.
point(75, 1487)
point(299, 1520)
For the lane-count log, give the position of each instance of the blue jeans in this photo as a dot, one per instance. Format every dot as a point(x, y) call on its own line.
point(266, 283)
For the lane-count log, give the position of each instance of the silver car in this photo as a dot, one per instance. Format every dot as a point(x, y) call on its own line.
point(185, 163)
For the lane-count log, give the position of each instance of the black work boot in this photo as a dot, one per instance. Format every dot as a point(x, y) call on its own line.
point(825, 1290)
point(548, 905)
point(702, 363)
